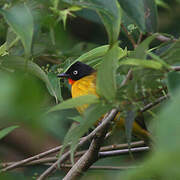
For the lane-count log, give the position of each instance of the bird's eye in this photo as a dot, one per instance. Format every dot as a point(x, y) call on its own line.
point(75, 72)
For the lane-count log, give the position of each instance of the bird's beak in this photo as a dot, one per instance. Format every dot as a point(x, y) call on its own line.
point(64, 75)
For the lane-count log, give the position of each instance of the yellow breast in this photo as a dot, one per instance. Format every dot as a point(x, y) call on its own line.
point(82, 87)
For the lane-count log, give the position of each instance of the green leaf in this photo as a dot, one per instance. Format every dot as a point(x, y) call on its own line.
point(16, 62)
point(3, 50)
point(109, 12)
point(173, 82)
point(6, 131)
point(163, 4)
point(142, 12)
point(20, 19)
point(142, 63)
point(172, 53)
point(74, 102)
point(129, 120)
point(92, 55)
point(106, 80)
point(55, 82)
point(140, 51)
point(77, 118)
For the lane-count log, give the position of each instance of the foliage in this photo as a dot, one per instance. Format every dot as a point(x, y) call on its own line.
point(39, 39)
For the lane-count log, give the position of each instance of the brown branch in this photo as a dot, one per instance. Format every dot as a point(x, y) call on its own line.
point(176, 68)
point(114, 147)
point(53, 159)
point(25, 161)
point(103, 167)
point(165, 39)
point(140, 38)
point(122, 151)
point(105, 121)
point(150, 105)
point(128, 77)
point(129, 36)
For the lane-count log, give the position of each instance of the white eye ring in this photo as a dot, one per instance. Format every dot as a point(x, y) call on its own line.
point(75, 72)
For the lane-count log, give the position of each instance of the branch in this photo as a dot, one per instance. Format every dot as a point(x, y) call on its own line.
point(128, 77)
point(176, 68)
point(46, 160)
point(165, 39)
point(129, 36)
point(123, 151)
point(105, 121)
point(150, 105)
point(103, 167)
point(25, 161)
point(114, 147)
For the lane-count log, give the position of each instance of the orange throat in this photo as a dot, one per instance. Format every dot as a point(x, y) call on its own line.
point(70, 81)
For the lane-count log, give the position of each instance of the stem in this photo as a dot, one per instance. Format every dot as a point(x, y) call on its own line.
point(129, 36)
point(13, 42)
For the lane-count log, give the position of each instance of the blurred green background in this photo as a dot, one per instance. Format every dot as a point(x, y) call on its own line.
point(24, 97)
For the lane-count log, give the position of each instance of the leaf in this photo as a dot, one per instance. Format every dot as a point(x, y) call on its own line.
point(20, 19)
point(172, 53)
point(109, 12)
point(142, 12)
point(94, 53)
point(140, 51)
point(142, 63)
point(74, 102)
point(6, 131)
point(173, 82)
point(129, 120)
point(163, 4)
point(3, 50)
point(94, 56)
point(77, 118)
point(55, 83)
point(106, 80)
point(16, 62)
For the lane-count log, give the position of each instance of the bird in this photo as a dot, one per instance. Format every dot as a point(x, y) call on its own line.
point(82, 79)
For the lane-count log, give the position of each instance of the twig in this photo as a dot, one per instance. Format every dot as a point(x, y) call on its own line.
point(53, 159)
point(165, 39)
point(140, 38)
point(103, 167)
point(105, 121)
point(114, 147)
point(25, 161)
point(129, 36)
point(123, 151)
point(176, 68)
point(128, 77)
point(150, 105)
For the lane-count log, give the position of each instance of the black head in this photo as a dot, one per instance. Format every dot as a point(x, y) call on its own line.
point(77, 71)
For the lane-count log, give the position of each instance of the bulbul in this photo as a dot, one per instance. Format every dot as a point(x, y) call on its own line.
point(82, 79)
